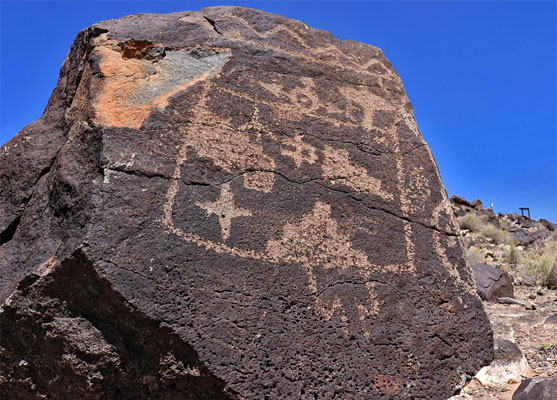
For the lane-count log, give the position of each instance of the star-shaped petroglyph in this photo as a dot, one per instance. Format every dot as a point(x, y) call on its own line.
point(224, 209)
point(302, 151)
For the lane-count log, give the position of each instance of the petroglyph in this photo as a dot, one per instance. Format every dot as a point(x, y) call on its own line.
point(317, 54)
point(265, 192)
point(351, 175)
point(224, 209)
point(315, 241)
point(299, 151)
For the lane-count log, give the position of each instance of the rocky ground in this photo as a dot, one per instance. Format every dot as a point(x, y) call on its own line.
point(526, 251)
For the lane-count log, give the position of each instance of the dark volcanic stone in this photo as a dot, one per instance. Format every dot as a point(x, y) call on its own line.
point(477, 204)
point(460, 201)
point(229, 204)
point(524, 237)
point(492, 283)
point(536, 389)
point(548, 225)
point(551, 320)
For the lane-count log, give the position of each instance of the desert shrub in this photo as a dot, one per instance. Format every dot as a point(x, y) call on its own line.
point(512, 254)
point(545, 346)
point(504, 224)
point(491, 231)
point(473, 256)
point(471, 221)
point(541, 264)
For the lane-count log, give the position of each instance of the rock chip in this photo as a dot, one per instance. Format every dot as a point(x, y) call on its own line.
point(492, 283)
point(551, 320)
point(509, 300)
point(229, 204)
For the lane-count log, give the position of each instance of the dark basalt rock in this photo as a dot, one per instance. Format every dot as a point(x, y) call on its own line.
point(536, 389)
point(89, 342)
point(550, 226)
point(492, 282)
point(229, 204)
point(477, 204)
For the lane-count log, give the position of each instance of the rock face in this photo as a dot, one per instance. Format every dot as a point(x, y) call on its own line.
point(229, 204)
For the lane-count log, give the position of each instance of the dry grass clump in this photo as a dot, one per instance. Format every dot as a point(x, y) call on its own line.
point(471, 221)
point(541, 264)
point(473, 256)
point(475, 222)
point(494, 233)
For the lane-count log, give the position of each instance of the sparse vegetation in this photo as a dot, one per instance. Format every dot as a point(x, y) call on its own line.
point(471, 221)
point(541, 264)
point(475, 222)
point(512, 255)
point(494, 233)
point(545, 346)
point(473, 256)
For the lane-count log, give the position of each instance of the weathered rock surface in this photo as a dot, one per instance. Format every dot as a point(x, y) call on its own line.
point(229, 204)
point(491, 282)
point(509, 365)
point(537, 389)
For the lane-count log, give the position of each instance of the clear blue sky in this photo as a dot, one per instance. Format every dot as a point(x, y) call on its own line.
point(481, 77)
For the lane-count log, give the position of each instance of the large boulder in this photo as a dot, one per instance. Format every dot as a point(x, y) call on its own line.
point(491, 282)
point(229, 204)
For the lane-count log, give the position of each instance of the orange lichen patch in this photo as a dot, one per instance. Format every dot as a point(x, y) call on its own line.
point(121, 80)
point(133, 84)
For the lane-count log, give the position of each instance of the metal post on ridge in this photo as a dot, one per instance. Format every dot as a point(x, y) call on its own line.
point(522, 209)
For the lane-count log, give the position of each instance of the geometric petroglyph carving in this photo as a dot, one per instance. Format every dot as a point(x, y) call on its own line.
point(316, 241)
point(299, 151)
point(224, 209)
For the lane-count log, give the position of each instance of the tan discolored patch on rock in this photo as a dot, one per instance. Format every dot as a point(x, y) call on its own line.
point(142, 76)
point(46, 267)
